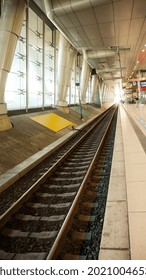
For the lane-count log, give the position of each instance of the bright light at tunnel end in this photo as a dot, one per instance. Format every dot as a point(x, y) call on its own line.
point(117, 99)
point(117, 95)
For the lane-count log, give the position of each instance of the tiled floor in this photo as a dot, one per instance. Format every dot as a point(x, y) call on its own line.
point(135, 167)
point(127, 190)
point(138, 114)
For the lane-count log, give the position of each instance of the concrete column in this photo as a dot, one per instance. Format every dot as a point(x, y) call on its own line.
point(101, 90)
point(95, 91)
point(63, 57)
point(84, 80)
point(94, 83)
point(10, 27)
point(66, 58)
point(70, 65)
point(105, 93)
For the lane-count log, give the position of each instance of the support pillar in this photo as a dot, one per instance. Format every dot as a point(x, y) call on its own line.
point(103, 92)
point(84, 80)
point(66, 57)
point(95, 91)
point(93, 87)
point(70, 65)
point(11, 20)
point(101, 85)
point(4, 120)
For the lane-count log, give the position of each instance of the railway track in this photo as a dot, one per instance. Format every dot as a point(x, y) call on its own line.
point(82, 240)
point(46, 214)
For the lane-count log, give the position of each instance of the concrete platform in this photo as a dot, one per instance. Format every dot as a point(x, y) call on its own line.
point(27, 137)
point(27, 143)
point(138, 114)
point(124, 231)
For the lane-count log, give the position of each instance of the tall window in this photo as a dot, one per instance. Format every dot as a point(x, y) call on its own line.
point(35, 40)
point(15, 92)
point(49, 68)
point(40, 67)
point(77, 96)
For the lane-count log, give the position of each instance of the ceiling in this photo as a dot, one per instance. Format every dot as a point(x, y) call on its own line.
point(111, 32)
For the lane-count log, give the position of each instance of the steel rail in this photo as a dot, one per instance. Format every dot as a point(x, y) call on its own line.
point(66, 224)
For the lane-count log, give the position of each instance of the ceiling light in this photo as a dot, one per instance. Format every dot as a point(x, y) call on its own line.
point(137, 61)
point(142, 50)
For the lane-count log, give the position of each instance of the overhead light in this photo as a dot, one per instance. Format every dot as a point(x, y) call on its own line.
point(143, 50)
point(137, 61)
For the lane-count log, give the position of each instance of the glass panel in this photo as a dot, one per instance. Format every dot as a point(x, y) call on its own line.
point(49, 69)
point(15, 92)
point(73, 88)
point(35, 60)
point(88, 93)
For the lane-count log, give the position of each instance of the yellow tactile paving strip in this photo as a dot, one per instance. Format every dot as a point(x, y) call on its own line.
point(52, 121)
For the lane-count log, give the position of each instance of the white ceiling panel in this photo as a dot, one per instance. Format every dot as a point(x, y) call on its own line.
point(98, 43)
point(123, 10)
point(65, 5)
point(78, 5)
point(79, 37)
point(136, 26)
point(104, 13)
point(107, 29)
point(133, 40)
point(139, 9)
point(57, 8)
point(122, 42)
point(81, 44)
point(122, 32)
point(83, 36)
point(74, 19)
point(77, 34)
point(86, 17)
point(98, 3)
point(92, 31)
point(66, 21)
point(110, 41)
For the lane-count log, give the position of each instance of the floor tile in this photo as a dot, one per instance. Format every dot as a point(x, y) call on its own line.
point(136, 193)
point(138, 235)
